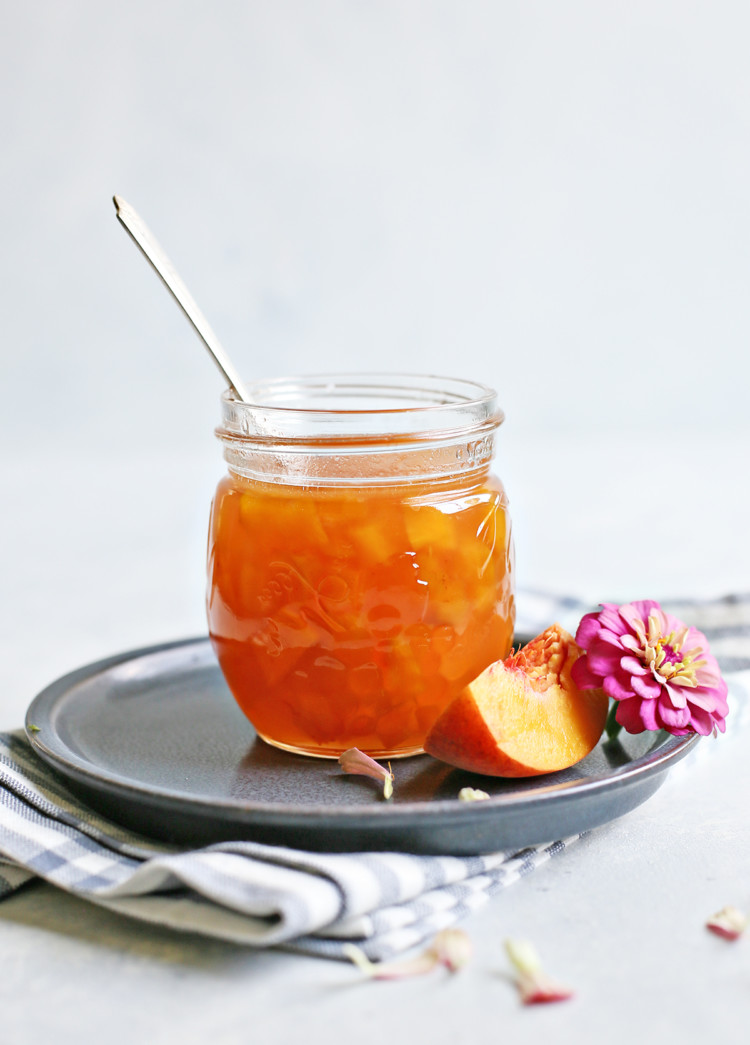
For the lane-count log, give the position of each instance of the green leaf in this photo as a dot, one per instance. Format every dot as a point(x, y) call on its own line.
point(612, 727)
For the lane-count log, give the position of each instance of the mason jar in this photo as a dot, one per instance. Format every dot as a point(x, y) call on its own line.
point(360, 561)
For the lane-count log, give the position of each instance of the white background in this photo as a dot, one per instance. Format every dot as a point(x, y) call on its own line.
point(548, 197)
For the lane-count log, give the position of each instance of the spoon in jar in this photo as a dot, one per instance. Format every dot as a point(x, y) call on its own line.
point(135, 226)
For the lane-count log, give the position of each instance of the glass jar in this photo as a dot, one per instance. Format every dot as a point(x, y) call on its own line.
point(360, 562)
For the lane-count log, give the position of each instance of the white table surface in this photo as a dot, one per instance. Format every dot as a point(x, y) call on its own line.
point(105, 553)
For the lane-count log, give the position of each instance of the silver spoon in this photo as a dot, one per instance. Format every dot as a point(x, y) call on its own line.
point(164, 268)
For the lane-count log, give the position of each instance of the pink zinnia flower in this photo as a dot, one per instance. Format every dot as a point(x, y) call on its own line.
point(659, 670)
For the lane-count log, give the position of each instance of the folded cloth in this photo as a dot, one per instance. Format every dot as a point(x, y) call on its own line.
point(251, 893)
point(270, 896)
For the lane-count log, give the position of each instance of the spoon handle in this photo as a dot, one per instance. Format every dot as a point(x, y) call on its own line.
point(138, 230)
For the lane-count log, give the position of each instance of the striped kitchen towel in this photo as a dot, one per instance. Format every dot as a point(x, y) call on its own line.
point(247, 892)
point(270, 896)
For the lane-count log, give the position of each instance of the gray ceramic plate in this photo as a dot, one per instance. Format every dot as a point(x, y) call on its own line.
point(154, 740)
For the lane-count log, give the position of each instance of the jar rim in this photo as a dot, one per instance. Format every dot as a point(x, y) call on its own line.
point(359, 405)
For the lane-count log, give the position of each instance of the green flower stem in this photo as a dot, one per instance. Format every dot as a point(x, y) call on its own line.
point(612, 727)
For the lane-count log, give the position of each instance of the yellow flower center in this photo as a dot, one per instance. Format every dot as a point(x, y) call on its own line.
point(665, 655)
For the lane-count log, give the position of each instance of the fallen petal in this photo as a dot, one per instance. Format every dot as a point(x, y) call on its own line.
point(472, 794)
point(359, 764)
point(729, 923)
point(397, 970)
point(534, 986)
point(450, 948)
point(540, 990)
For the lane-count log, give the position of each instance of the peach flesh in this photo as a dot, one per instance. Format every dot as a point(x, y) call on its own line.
point(523, 716)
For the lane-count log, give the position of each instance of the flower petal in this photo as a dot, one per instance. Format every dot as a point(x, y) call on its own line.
point(706, 701)
point(604, 653)
point(677, 695)
point(658, 615)
point(709, 675)
point(532, 982)
point(645, 686)
point(587, 630)
point(472, 794)
point(695, 638)
point(673, 625)
point(395, 970)
point(629, 641)
point(634, 613)
point(451, 948)
point(583, 676)
point(649, 712)
point(614, 687)
point(628, 714)
point(673, 717)
point(728, 923)
point(701, 721)
point(610, 619)
point(357, 762)
point(633, 666)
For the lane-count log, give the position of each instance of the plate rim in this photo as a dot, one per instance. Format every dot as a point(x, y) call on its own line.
point(667, 750)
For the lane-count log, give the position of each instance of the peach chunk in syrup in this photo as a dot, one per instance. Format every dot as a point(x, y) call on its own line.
point(351, 617)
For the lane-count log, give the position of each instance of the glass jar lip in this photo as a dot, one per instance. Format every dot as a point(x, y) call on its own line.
point(359, 406)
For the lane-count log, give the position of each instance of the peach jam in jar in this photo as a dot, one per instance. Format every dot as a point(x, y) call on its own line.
point(359, 557)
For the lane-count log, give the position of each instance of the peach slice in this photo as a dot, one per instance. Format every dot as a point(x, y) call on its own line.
point(523, 716)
